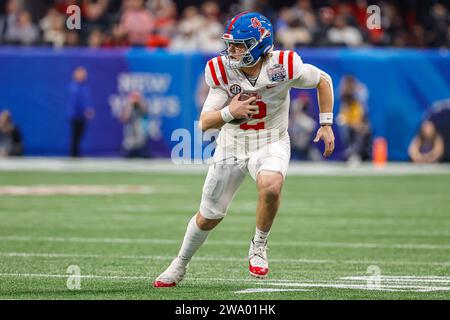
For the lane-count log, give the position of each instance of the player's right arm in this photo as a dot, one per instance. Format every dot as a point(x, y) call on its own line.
point(211, 115)
point(214, 114)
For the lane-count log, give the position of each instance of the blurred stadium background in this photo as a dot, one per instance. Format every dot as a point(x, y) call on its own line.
point(119, 86)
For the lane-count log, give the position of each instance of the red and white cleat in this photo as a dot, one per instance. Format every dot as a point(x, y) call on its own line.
point(172, 275)
point(257, 261)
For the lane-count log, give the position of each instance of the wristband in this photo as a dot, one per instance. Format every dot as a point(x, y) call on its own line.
point(326, 118)
point(226, 114)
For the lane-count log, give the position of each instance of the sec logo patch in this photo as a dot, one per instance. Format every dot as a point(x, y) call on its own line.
point(235, 89)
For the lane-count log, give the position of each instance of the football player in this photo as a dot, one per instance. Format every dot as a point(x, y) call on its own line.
point(249, 101)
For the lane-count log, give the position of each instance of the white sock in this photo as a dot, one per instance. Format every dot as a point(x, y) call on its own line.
point(193, 239)
point(260, 237)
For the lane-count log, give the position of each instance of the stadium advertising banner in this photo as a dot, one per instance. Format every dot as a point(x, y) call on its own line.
point(34, 86)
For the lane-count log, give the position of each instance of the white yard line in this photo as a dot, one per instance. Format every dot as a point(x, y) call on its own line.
point(298, 286)
point(402, 279)
point(380, 287)
point(150, 277)
point(313, 244)
point(216, 258)
point(390, 288)
point(44, 275)
point(166, 166)
point(260, 290)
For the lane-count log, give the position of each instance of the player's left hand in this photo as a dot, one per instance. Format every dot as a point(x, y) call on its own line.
point(326, 134)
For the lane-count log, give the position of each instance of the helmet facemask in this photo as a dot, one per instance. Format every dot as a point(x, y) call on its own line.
point(246, 57)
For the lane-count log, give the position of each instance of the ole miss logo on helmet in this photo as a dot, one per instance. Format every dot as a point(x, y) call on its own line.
point(257, 25)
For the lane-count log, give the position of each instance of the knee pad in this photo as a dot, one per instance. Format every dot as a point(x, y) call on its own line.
point(217, 179)
point(221, 183)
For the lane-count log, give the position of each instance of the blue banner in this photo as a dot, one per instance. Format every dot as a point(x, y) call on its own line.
point(34, 85)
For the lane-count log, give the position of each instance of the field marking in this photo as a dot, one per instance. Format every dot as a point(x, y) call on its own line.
point(408, 279)
point(319, 244)
point(216, 258)
point(49, 190)
point(149, 277)
point(157, 211)
point(168, 167)
point(384, 287)
point(115, 277)
point(384, 283)
point(259, 290)
point(299, 286)
point(89, 276)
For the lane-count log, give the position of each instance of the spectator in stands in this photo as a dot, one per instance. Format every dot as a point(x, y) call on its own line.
point(10, 20)
point(53, 28)
point(428, 145)
point(117, 38)
point(394, 26)
point(165, 13)
point(80, 109)
point(418, 36)
point(301, 129)
point(94, 10)
point(285, 14)
point(438, 26)
point(23, 31)
point(154, 22)
point(72, 39)
point(343, 34)
point(95, 20)
point(439, 114)
point(304, 13)
point(347, 11)
point(212, 30)
point(265, 7)
point(134, 117)
point(293, 33)
point(137, 22)
point(62, 5)
point(326, 19)
point(10, 136)
point(96, 39)
point(186, 38)
point(300, 8)
point(352, 119)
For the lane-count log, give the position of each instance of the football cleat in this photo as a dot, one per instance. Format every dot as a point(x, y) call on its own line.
point(172, 275)
point(257, 260)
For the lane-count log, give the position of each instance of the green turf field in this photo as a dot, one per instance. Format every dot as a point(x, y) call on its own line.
point(328, 232)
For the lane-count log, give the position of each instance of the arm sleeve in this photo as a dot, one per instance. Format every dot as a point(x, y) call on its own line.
point(216, 100)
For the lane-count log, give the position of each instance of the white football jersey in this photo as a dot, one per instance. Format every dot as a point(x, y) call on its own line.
point(280, 72)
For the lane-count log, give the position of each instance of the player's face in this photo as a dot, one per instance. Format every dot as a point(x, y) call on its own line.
point(236, 50)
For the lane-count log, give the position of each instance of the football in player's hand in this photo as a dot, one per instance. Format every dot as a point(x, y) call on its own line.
point(243, 97)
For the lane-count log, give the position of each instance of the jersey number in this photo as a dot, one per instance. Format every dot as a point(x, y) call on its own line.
point(260, 115)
